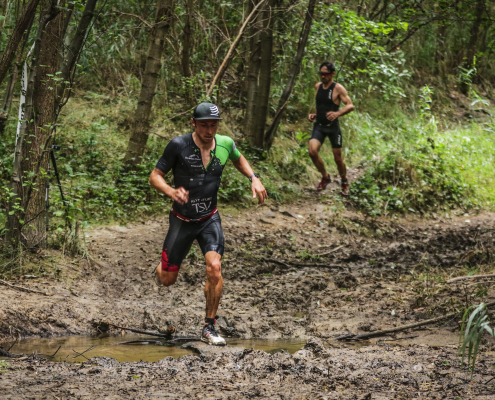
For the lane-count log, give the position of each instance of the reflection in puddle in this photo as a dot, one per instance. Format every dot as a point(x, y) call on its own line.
point(80, 348)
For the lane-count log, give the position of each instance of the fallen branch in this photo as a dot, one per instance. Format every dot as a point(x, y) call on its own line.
point(460, 278)
point(4, 353)
point(403, 327)
point(162, 335)
point(23, 289)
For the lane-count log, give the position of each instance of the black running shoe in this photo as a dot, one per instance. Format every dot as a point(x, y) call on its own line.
point(210, 335)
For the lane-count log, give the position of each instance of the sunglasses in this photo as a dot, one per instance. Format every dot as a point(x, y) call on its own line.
point(325, 73)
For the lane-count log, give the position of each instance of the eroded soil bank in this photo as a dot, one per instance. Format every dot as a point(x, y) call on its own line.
point(369, 275)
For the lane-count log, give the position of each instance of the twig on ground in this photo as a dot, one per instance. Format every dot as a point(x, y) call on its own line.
point(403, 327)
point(24, 289)
point(82, 354)
point(13, 344)
point(331, 251)
point(53, 355)
point(289, 264)
point(162, 335)
point(460, 278)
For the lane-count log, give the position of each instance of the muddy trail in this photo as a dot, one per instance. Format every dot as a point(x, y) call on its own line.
point(301, 271)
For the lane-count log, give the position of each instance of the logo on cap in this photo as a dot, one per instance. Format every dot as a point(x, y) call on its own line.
point(214, 111)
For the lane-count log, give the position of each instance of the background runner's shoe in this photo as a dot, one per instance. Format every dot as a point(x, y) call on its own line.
point(345, 188)
point(210, 335)
point(324, 183)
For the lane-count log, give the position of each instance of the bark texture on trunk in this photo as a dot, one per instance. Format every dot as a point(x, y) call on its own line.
point(187, 40)
point(265, 75)
point(28, 225)
point(252, 76)
point(14, 40)
point(475, 32)
point(137, 142)
point(294, 72)
point(9, 91)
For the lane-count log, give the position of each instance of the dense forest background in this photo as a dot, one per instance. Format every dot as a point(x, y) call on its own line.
point(112, 82)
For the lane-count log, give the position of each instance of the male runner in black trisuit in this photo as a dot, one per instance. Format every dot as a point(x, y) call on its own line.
point(329, 95)
point(197, 161)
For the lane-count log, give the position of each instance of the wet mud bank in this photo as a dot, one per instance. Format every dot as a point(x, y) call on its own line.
point(297, 272)
point(318, 371)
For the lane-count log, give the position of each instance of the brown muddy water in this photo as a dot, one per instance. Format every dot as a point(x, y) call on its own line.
point(81, 348)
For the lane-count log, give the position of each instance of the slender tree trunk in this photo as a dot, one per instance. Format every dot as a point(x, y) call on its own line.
point(265, 74)
point(75, 47)
point(252, 76)
point(137, 142)
point(294, 72)
point(186, 41)
point(15, 38)
point(230, 54)
point(22, 184)
point(475, 33)
point(9, 91)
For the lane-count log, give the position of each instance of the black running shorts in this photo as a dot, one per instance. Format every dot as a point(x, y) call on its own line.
point(181, 235)
point(320, 132)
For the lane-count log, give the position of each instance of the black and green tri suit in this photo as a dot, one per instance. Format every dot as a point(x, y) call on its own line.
point(198, 218)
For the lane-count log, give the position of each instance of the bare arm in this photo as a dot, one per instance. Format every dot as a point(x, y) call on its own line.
point(256, 186)
point(348, 106)
point(157, 180)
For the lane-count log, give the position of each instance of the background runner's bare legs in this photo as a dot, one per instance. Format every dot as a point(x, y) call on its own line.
point(337, 155)
point(214, 283)
point(314, 148)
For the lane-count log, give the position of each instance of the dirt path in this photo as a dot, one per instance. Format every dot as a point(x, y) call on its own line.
point(370, 275)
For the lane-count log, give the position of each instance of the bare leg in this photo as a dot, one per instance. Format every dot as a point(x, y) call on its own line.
point(337, 155)
point(214, 283)
point(167, 278)
point(314, 148)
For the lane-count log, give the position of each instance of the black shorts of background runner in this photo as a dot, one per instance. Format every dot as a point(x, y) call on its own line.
point(181, 235)
point(333, 132)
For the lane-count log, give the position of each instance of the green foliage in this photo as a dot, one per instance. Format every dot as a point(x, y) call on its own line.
point(416, 178)
point(473, 327)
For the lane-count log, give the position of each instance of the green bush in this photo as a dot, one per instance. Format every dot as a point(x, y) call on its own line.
point(422, 177)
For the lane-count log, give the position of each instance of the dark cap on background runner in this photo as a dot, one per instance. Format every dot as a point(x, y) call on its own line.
point(206, 111)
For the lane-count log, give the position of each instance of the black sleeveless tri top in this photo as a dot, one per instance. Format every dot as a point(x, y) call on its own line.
point(324, 104)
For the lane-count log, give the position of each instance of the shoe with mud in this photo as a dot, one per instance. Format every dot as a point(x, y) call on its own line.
point(323, 184)
point(211, 336)
point(345, 188)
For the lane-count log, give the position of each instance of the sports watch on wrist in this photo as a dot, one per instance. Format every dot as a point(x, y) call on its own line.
point(251, 177)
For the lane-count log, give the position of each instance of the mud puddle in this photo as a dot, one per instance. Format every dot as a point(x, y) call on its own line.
point(131, 348)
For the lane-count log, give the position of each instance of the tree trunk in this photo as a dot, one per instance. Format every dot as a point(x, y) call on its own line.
point(294, 72)
point(15, 38)
point(29, 213)
point(186, 41)
point(9, 91)
point(137, 142)
point(75, 47)
point(28, 225)
point(252, 76)
point(475, 33)
point(265, 75)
